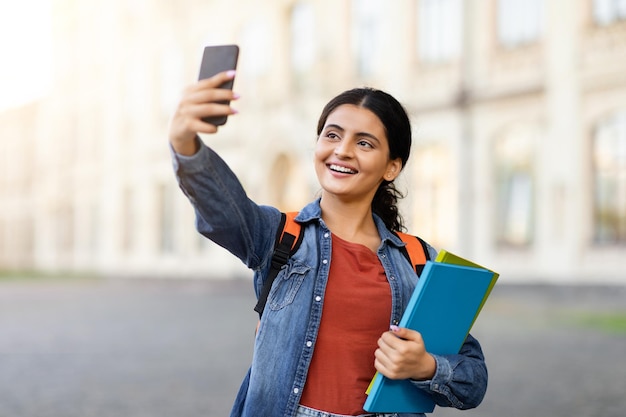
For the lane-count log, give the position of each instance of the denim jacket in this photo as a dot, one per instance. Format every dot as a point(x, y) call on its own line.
point(286, 336)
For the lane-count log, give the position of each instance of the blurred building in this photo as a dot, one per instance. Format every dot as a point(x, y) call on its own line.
point(519, 112)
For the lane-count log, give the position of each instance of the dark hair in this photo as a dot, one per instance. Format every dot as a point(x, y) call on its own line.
point(398, 129)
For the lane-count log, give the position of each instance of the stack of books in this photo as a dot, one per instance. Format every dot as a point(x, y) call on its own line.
point(444, 306)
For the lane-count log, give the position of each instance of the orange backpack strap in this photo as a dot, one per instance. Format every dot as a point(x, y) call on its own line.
point(415, 251)
point(288, 239)
point(290, 230)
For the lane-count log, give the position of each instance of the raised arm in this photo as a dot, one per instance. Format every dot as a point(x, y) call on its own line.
point(224, 213)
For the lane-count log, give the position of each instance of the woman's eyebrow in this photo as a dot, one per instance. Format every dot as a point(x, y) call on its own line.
point(337, 127)
point(369, 135)
point(334, 126)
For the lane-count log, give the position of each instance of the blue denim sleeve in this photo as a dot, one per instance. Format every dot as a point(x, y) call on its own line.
point(224, 213)
point(460, 381)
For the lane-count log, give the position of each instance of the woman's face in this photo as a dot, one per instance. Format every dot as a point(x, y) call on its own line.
point(352, 154)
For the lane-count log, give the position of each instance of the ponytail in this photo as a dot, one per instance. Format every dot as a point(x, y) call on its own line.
point(385, 205)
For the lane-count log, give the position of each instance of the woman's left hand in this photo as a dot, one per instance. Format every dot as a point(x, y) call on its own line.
point(401, 354)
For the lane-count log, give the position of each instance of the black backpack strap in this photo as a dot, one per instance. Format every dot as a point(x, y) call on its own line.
point(415, 251)
point(288, 239)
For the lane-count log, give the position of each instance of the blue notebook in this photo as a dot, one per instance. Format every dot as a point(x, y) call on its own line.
point(443, 308)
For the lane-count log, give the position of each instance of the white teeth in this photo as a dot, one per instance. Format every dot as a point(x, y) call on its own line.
point(342, 169)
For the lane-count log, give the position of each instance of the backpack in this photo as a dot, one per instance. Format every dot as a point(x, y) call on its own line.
point(288, 240)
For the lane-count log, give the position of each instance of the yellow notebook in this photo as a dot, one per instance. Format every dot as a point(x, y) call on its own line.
point(450, 258)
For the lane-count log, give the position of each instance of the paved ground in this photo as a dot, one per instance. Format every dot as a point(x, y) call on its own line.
point(149, 348)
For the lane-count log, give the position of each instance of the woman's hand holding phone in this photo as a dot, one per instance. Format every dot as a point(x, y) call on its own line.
point(206, 104)
point(200, 101)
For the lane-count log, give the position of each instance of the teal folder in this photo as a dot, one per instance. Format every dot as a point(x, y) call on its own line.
point(443, 308)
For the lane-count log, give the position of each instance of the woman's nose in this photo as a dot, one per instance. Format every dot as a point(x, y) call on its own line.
point(343, 149)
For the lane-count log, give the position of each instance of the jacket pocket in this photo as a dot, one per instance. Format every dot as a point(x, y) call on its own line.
point(287, 284)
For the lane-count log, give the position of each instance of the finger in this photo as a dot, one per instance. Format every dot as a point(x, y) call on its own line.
point(201, 126)
point(189, 118)
point(217, 80)
point(381, 361)
point(188, 115)
point(200, 111)
point(400, 349)
point(390, 342)
point(389, 349)
point(385, 365)
point(211, 94)
point(208, 84)
point(208, 95)
point(184, 129)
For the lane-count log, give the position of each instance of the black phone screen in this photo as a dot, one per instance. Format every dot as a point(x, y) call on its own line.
point(217, 59)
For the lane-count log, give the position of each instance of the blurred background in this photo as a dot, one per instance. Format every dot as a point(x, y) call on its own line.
point(518, 107)
point(518, 162)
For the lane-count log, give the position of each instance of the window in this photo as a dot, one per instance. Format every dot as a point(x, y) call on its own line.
point(606, 12)
point(302, 37)
point(26, 29)
point(286, 181)
point(65, 230)
point(609, 180)
point(172, 76)
point(93, 226)
point(433, 193)
point(129, 219)
point(520, 22)
point(256, 41)
point(166, 217)
point(515, 188)
point(366, 34)
point(439, 30)
point(278, 180)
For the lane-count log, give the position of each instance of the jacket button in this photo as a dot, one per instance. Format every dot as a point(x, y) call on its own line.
point(296, 390)
point(318, 298)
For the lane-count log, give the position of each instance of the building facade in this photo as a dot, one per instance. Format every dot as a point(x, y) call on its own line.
point(518, 107)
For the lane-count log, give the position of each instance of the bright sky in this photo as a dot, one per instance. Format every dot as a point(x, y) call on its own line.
point(25, 51)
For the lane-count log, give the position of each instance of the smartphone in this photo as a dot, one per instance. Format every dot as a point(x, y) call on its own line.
point(217, 59)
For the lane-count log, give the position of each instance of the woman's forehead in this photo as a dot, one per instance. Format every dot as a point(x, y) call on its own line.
point(355, 118)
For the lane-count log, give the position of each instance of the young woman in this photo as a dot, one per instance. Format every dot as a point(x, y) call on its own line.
point(326, 326)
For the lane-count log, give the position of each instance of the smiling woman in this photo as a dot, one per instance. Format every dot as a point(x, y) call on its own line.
point(313, 356)
point(26, 50)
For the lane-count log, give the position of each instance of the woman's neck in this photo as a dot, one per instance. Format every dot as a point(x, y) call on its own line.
point(352, 222)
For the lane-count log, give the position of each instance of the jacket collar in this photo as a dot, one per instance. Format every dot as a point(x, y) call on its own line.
point(313, 212)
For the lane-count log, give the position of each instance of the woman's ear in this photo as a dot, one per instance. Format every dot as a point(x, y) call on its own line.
point(393, 169)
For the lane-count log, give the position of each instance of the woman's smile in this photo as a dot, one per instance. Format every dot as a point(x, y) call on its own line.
point(343, 169)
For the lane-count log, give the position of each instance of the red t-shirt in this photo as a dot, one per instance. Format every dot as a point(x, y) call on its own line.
point(356, 312)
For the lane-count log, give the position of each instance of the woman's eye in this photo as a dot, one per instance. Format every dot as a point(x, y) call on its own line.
point(331, 135)
point(365, 144)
